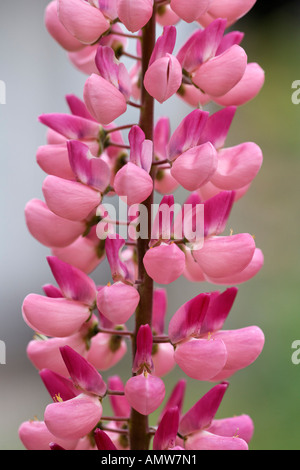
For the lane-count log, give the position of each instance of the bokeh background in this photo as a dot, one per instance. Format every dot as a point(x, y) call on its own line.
point(38, 76)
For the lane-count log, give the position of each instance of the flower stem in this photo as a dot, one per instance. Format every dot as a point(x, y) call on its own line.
point(139, 435)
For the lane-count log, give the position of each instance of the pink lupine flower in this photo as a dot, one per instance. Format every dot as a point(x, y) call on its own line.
point(106, 95)
point(118, 302)
point(35, 435)
point(190, 11)
point(74, 418)
point(231, 11)
point(50, 229)
point(213, 68)
point(240, 426)
point(81, 19)
point(193, 425)
point(135, 15)
point(144, 392)
point(164, 75)
point(106, 351)
point(172, 267)
point(202, 350)
point(56, 29)
point(133, 183)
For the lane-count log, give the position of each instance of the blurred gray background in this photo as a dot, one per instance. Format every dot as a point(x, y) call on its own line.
point(38, 76)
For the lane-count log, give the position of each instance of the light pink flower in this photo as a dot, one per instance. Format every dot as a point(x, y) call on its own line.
point(118, 302)
point(189, 11)
point(56, 29)
point(231, 11)
point(135, 15)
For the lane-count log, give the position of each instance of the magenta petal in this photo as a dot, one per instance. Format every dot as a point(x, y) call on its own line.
point(71, 127)
point(58, 386)
point(195, 167)
point(84, 375)
point(159, 308)
point(188, 319)
point(103, 441)
point(166, 434)
point(201, 359)
point(203, 412)
point(48, 228)
point(74, 418)
point(165, 263)
point(73, 283)
point(144, 343)
point(176, 397)
point(145, 393)
point(223, 256)
point(216, 212)
point(54, 317)
point(165, 44)
point(206, 441)
point(218, 310)
point(220, 74)
point(217, 127)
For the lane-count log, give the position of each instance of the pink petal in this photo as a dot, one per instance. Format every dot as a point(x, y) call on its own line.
point(58, 386)
point(225, 256)
point(159, 310)
point(84, 60)
point(201, 359)
point(50, 229)
point(82, 20)
point(135, 15)
point(54, 317)
point(58, 31)
point(220, 74)
point(189, 11)
point(74, 418)
point(163, 78)
point(145, 393)
point(247, 89)
point(165, 44)
point(118, 302)
point(249, 272)
point(118, 403)
point(237, 166)
point(218, 310)
point(163, 359)
point(239, 426)
point(195, 167)
point(165, 16)
point(207, 441)
point(103, 100)
point(216, 213)
point(243, 346)
point(232, 10)
point(69, 199)
point(35, 435)
point(54, 160)
point(165, 263)
point(133, 184)
point(103, 441)
point(144, 344)
point(176, 397)
point(217, 127)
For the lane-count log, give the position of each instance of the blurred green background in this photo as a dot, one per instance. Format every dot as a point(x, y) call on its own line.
point(269, 390)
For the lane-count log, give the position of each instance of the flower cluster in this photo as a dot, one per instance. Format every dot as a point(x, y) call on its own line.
point(81, 328)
